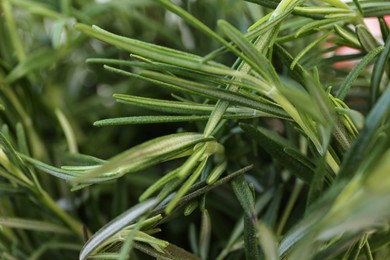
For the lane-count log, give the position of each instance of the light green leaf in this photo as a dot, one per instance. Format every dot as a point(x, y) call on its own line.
point(355, 116)
point(147, 154)
point(337, 3)
point(347, 36)
point(67, 173)
point(315, 26)
point(159, 184)
point(157, 244)
point(268, 242)
point(58, 30)
point(253, 57)
point(201, 189)
point(307, 10)
point(186, 168)
point(68, 131)
point(285, 8)
point(191, 206)
point(205, 235)
point(304, 102)
point(15, 168)
point(216, 172)
point(10, 152)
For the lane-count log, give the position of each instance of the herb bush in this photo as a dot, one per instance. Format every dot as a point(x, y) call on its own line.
point(241, 129)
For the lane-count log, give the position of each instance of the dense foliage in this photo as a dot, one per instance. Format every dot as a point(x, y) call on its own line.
point(200, 129)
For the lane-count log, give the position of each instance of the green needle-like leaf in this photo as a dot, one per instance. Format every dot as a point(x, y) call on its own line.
point(268, 242)
point(347, 84)
point(205, 235)
point(153, 52)
point(378, 71)
point(145, 155)
point(66, 173)
point(206, 91)
point(35, 225)
point(186, 186)
point(349, 37)
point(171, 106)
point(366, 39)
point(159, 184)
point(360, 148)
point(115, 225)
point(135, 120)
point(245, 197)
point(254, 58)
point(307, 49)
point(276, 147)
point(326, 22)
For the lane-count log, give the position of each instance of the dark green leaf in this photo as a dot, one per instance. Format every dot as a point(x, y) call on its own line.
point(360, 148)
point(378, 71)
point(347, 84)
point(293, 160)
point(135, 120)
point(366, 39)
point(245, 197)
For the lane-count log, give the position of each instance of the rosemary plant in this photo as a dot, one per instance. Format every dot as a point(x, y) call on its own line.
point(240, 130)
